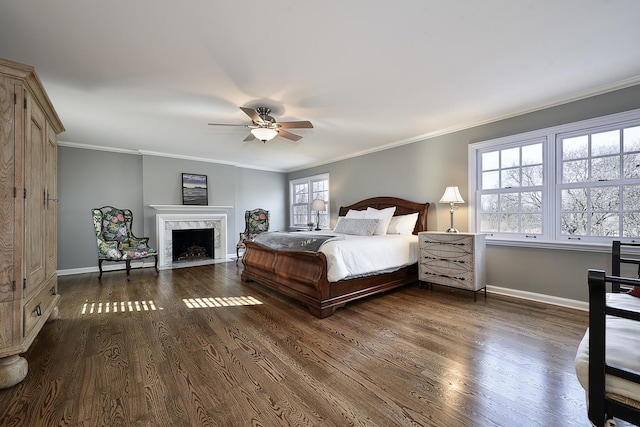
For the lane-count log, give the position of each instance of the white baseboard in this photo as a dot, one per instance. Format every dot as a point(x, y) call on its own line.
point(72, 271)
point(105, 267)
point(532, 296)
point(121, 266)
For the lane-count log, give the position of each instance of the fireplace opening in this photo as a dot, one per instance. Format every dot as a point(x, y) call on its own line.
point(192, 245)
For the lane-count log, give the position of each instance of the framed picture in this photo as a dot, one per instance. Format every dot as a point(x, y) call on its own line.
point(194, 189)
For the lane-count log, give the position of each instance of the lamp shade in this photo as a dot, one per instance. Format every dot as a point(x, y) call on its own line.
point(318, 205)
point(451, 195)
point(264, 134)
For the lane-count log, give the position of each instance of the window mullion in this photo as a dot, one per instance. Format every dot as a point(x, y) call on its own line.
point(554, 186)
point(474, 180)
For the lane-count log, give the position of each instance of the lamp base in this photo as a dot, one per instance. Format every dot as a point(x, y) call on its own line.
point(317, 229)
point(452, 229)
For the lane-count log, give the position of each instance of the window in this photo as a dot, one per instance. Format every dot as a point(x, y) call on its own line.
point(511, 181)
point(575, 183)
point(302, 193)
point(599, 187)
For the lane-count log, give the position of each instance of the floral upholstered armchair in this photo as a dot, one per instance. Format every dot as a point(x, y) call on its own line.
point(256, 222)
point(115, 240)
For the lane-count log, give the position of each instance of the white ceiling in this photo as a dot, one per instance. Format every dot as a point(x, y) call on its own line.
point(148, 75)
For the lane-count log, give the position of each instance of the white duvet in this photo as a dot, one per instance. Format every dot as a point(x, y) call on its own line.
point(622, 348)
point(353, 256)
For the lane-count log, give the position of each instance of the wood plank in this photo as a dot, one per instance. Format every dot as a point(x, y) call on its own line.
point(7, 205)
point(172, 349)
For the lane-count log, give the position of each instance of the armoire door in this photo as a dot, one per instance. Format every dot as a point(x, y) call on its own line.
point(35, 202)
point(51, 211)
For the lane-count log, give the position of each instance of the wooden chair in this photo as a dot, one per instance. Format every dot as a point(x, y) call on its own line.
point(115, 240)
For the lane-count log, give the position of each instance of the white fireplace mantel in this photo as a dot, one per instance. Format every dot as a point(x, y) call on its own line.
point(189, 208)
point(165, 223)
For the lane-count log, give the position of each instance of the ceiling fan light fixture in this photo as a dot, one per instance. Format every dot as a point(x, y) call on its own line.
point(264, 134)
point(265, 128)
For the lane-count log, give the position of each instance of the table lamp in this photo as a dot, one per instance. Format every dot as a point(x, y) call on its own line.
point(452, 196)
point(318, 205)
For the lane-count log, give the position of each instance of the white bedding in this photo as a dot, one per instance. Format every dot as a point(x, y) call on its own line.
point(622, 344)
point(356, 256)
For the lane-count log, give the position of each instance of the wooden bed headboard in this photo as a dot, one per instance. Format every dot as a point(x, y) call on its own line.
point(403, 207)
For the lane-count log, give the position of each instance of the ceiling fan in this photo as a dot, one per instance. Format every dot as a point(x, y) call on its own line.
point(265, 127)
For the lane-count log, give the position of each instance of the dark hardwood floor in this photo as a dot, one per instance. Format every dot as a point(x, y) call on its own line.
point(197, 347)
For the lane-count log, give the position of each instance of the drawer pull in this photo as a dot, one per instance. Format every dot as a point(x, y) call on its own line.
point(446, 276)
point(446, 243)
point(53, 290)
point(459, 261)
point(38, 310)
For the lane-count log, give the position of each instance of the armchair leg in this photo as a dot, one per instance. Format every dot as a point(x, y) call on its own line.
point(128, 266)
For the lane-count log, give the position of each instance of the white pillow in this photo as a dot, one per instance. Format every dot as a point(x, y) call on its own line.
point(355, 214)
point(383, 215)
point(403, 224)
point(356, 226)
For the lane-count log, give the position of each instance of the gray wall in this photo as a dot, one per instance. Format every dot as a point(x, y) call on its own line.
point(421, 171)
point(261, 189)
point(92, 178)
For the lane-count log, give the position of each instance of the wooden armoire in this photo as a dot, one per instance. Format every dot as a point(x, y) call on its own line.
point(28, 215)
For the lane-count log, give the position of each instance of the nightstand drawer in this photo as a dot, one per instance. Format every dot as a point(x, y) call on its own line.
point(443, 267)
point(460, 251)
point(444, 272)
point(449, 245)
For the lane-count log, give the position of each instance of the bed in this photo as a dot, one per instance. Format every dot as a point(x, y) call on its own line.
point(607, 360)
point(303, 275)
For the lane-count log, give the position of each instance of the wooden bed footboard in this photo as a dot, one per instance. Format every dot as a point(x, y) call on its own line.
point(303, 275)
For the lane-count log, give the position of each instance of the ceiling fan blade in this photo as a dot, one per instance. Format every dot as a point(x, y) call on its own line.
point(289, 135)
point(253, 115)
point(300, 124)
point(249, 137)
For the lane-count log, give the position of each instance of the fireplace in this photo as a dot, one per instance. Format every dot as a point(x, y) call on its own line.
point(191, 239)
point(192, 245)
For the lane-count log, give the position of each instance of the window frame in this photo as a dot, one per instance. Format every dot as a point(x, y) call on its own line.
point(324, 216)
point(520, 189)
point(552, 187)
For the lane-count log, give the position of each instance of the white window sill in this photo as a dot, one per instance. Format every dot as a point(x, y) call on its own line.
point(564, 246)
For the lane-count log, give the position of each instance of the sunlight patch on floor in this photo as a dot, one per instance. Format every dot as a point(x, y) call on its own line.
point(220, 301)
point(118, 307)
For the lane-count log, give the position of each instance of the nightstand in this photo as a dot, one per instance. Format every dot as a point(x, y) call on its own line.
point(453, 259)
